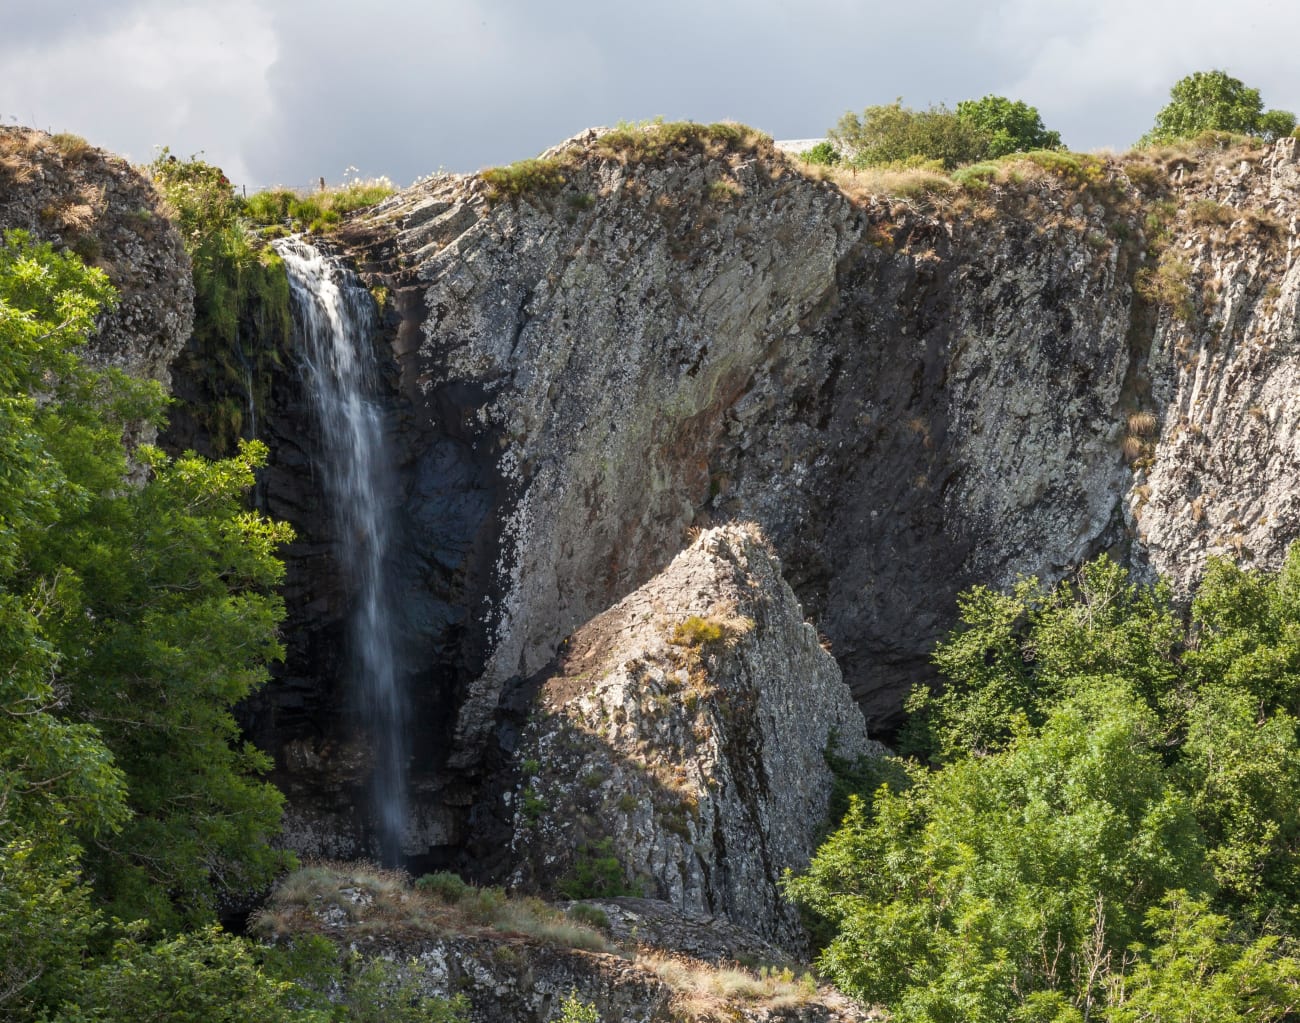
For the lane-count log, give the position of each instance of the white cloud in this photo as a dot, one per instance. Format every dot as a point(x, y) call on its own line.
point(191, 76)
point(290, 90)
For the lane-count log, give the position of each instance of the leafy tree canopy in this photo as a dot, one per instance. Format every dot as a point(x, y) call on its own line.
point(1010, 126)
point(135, 610)
point(977, 130)
point(1109, 825)
point(1215, 101)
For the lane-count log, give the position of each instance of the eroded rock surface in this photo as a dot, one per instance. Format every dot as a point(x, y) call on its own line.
point(908, 401)
point(684, 734)
point(73, 195)
point(1217, 473)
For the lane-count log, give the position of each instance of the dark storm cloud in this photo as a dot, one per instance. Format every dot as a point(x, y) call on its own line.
point(290, 91)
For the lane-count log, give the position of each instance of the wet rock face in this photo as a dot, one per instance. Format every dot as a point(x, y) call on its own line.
point(70, 194)
point(682, 738)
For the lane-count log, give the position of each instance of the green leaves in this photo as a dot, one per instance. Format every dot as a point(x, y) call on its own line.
point(1011, 126)
point(1215, 101)
point(1097, 759)
point(982, 129)
point(133, 616)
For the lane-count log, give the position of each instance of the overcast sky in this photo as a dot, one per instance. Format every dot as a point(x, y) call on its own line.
point(287, 91)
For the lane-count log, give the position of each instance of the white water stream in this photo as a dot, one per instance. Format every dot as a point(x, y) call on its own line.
point(336, 320)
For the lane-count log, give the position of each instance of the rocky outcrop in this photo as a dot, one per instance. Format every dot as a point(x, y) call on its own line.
point(681, 742)
point(908, 398)
point(1215, 470)
point(66, 192)
point(521, 970)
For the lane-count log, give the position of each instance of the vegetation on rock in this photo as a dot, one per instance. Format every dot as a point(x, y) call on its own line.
point(892, 134)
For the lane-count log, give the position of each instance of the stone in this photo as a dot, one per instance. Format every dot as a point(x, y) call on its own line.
point(684, 732)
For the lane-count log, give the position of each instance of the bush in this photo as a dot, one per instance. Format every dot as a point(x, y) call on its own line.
point(1110, 826)
point(444, 886)
point(823, 154)
point(894, 133)
point(573, 1010)
point(596, 873)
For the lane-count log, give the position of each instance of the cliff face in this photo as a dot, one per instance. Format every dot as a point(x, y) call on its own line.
point(905, 403)
point(1218, 472)
point(684, 734)
point(906, 396)
point(68, 193)
point(908, 401)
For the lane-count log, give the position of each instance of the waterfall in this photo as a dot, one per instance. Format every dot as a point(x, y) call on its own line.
point(336, 319)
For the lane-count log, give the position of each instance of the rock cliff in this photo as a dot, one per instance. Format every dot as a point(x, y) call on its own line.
point(651, 331)
point(908, 397)
point(66, 192)
point(682, 741)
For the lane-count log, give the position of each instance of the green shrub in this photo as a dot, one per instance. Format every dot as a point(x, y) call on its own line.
point(1168, 284)
point(697, 631)
point(1109, 826)
point(574, 1010)
point(892, 133)
point(444, 886)
point(524, 178)
point(824, 154)
point(596, 873)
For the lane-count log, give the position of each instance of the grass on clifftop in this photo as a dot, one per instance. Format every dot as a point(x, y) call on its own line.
point(644, 142)
point(1105, 178)
point(316, 212)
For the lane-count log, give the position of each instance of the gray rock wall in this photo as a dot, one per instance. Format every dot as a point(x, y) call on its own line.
point(70, 194)
point(684, 732)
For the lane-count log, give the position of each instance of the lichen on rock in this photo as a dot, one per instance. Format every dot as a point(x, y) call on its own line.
point(683, 734)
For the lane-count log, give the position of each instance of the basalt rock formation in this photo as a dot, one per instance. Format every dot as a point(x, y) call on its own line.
point(684, 733)
point(907, 396)
point(591, 355)
point(64, 191)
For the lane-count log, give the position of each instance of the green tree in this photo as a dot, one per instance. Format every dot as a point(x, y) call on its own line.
point(133, 614)
point(1009, 126)
point(1094, 755)
point(1200, 968)
point(894, 133)
point(979, 883)
point(57, 778)
point(1215, 101)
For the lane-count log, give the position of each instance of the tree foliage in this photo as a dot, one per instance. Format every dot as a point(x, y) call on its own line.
point(135, 610)
point(1215, 101)
point(1009, 126)
point(977, 130)
point(1110, 821)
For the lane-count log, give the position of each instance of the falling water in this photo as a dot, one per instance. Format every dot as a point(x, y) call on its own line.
point(336, 318)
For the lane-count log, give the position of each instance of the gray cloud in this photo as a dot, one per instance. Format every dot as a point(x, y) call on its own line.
point(291, 91)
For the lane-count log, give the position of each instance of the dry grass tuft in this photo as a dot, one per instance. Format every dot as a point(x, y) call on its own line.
point(704, 992)
point(1133, 448)
point(1142, 424)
